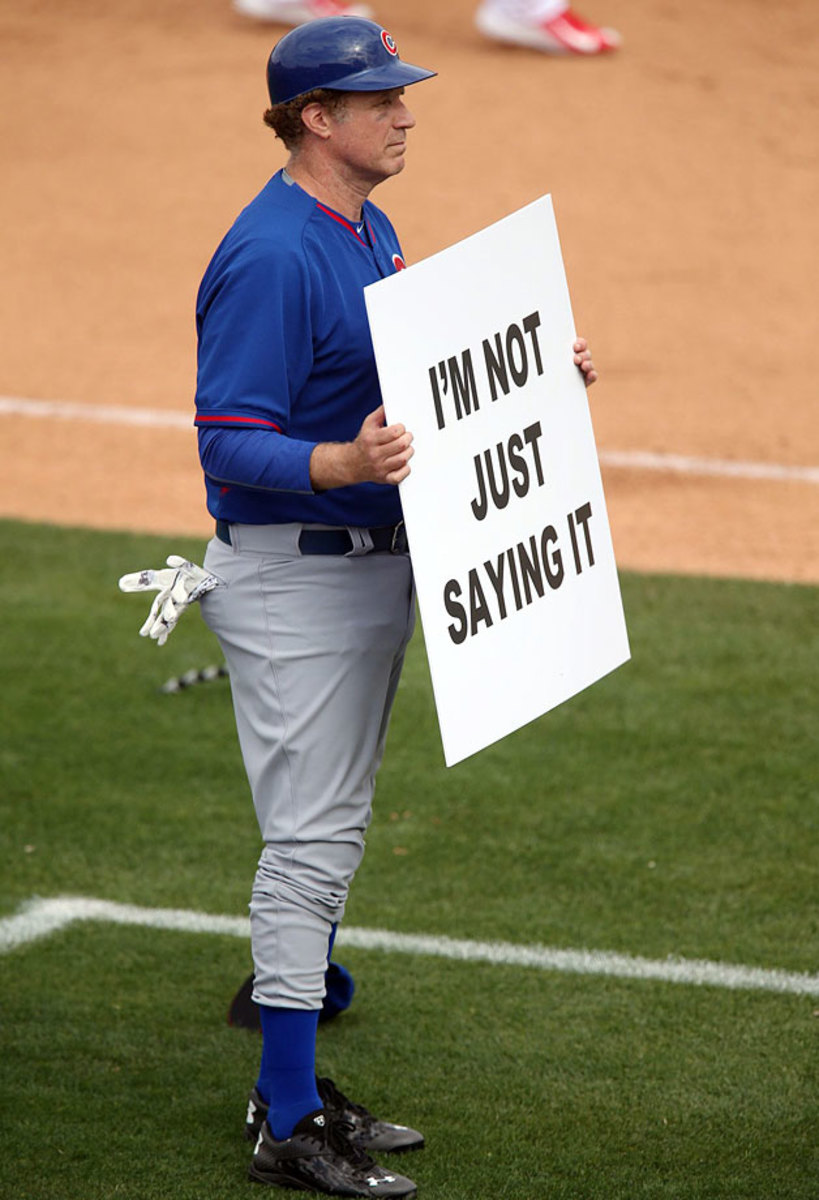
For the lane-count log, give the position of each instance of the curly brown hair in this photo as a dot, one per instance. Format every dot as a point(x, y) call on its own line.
point(285, 119)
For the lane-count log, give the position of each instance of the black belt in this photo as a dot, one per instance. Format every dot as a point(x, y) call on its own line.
point(388, 539)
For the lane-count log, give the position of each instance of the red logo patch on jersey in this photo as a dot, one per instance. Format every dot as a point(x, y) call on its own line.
point(389, 43)
point(398, 262)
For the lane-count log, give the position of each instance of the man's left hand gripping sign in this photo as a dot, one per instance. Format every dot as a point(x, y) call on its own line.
point(178, 586)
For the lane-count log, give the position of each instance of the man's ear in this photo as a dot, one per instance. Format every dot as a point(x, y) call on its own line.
point(315, 119)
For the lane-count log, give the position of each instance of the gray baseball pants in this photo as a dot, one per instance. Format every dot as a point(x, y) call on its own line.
point(314, 645)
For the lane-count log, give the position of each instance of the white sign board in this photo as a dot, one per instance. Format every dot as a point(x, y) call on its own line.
point(504, 506)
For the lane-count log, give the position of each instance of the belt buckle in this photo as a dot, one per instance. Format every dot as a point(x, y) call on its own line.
point(361, 542)
point(398, 544)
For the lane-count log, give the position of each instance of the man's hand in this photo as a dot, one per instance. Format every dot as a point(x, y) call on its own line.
point(383, 450)
point(583, 359)
point(379, 454)
point(178, 587)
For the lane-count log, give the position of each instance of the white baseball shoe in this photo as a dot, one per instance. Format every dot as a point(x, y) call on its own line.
point(564, 34)
point(299, 12)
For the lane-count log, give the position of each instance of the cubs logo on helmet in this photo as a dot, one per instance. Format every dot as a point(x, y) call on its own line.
point(389, 42)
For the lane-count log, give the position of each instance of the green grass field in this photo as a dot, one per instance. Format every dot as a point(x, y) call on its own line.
point(669, 810)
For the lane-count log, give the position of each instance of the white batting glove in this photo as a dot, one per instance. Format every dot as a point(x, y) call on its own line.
point(178, 587)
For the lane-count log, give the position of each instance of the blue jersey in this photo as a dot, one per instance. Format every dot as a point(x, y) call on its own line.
point(285, 359)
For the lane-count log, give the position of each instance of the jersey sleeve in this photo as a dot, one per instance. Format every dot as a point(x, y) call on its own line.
point(255, 353)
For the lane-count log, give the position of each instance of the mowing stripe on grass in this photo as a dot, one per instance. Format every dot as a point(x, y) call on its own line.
point(632, 460)
point(39, 918)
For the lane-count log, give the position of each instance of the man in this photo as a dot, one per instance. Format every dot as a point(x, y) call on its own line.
point(316, 606)
point(319, 605)
point(546, 25)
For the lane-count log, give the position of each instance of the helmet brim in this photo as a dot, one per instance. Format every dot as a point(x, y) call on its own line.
point(381, 79)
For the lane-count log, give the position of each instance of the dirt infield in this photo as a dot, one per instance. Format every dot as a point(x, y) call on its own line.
point(685, 177)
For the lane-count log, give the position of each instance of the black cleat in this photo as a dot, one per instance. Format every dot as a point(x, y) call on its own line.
point(320, 1157)
point(256, 1116)
point(372, 1135)
point(368, 1132)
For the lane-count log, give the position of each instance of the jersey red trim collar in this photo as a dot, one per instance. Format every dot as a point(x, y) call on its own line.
point(347, 224)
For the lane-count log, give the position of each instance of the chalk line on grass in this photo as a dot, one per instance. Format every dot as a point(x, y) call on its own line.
point(633, 460)
point(39, 918)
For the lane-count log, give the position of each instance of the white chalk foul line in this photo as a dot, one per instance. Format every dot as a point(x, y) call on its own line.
point(644, 460)
point(39, 918)
point(104, 414)
point(632, 460)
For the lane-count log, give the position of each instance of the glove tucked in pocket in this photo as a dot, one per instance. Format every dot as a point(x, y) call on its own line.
point(178, 586)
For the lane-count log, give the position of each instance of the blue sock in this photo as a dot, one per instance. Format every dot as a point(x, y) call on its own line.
point(339, 985)
point(287, 1075)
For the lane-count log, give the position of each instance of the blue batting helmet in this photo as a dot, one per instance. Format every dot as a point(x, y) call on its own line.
point(345, 54)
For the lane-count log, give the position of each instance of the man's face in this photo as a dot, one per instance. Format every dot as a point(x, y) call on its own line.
point(369, 134)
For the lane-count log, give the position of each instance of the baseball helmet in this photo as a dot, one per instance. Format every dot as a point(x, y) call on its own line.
point(345, 54)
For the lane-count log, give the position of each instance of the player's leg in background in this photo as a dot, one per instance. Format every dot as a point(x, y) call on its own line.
point(546, 25)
